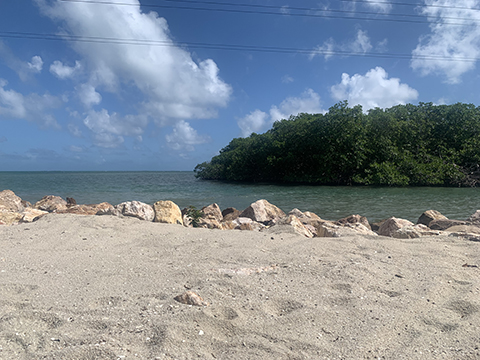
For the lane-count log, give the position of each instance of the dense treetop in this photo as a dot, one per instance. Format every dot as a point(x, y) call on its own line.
point(404, 145)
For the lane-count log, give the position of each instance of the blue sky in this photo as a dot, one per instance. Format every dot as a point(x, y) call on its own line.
point(156, 85)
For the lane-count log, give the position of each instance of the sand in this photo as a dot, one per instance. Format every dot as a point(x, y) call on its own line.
point(102, 287)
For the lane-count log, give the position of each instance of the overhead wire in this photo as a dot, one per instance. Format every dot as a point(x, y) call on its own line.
point(213, 46)
point(285, 11)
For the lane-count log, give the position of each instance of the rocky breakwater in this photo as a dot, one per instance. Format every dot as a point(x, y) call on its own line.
point(259, 216)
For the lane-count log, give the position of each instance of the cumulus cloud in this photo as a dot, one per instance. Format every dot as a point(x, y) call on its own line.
point(109, 129)
point(257, 121)
point(171, 86)
point(184, 137)
point(24, 69)
point(88, 95)
point(36, 64)
point(254, 122)
point(64, 71)
point(451, 45)
point(374, 89)
point(360, 45)
point(31, 107)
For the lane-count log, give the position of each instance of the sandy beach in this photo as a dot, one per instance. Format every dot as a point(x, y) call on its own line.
point(103, 287)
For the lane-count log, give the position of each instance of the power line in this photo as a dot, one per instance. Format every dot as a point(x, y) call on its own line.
point(410, 4)
point(284, 11)
point(231, 47)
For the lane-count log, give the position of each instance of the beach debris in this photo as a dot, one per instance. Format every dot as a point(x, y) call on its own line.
point(167, 212)
point(470, 265)
point(136, 209)
point(190, 298)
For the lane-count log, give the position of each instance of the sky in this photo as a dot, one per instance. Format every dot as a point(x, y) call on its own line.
point(164, 85)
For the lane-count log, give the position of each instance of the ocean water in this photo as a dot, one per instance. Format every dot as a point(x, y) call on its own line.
point(331, 203)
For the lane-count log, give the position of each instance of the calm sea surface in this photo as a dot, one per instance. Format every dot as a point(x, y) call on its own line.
point(328, 202)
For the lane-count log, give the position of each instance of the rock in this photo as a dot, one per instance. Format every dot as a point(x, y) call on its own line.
point(212, 212)
point(51, 203)
point(31, 215)
point(136, 209)
point(243, 223)
point(444, 224)
point(10, 202)
point(91, 209)
point(190, 298)
point(167, 212)
point(330, 229)
point(428, 216)
point(263, 212)
point(71, 201)
point(475, 217)
point(415, 231)
point(376, 225)
point(295, 224)
point(10, 217)
point(391, 225)
point(109, 211)
point(230, 214)
point(470, 229)
point(355, 219)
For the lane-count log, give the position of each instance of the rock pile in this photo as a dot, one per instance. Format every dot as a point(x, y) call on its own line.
point(259, 216)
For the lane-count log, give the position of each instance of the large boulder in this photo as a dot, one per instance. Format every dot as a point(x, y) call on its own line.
point(475, 217)
point(415, 231)
point(355, 219)
point(311, 221)
point(10, 202)
point(243, 223)
point(230, 214)
point(331, 229)
point(10, 217)
point(51, 203)
point(444, 224)
point(31, 215)
point(468, 229)
point(430, 215)
point(391, 225)
point(167, 212)
point(294, 223)
point(91, 209)
point(263, 212)
point(212, 212)
point(136, 209)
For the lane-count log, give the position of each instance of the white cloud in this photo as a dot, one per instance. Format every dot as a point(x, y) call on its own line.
point(172, 86)
point(258, 121)
point(22, 68)
point(360, 45)
point(184, 137)
point(108, 130)
point(308, 102)
point(87, 95)
point(32, 107)
point(64, 71)
point(451, 44)
point(374, 89)
point(381, 6)
point(74, 130)
point(36, 64)
point(287, 79)
point(254, 122)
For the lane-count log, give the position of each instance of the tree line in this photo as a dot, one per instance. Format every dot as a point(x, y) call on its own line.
point(405, 145)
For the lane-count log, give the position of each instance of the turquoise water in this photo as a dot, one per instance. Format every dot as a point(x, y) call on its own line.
point(328, 202)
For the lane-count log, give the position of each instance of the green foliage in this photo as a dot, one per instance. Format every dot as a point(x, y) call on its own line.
point(194, 215)
point(421, 145)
